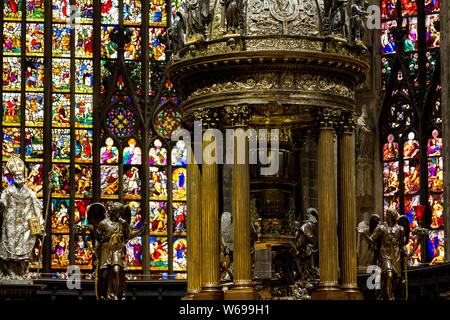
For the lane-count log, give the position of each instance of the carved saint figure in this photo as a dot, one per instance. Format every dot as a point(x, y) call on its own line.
point(197, 17)
point(177, 32)
point(357, 21)
point(388, 240)
point(306, 248)
point(20, 211)
point(232, 14)
point(337, 18)
point(110, 237)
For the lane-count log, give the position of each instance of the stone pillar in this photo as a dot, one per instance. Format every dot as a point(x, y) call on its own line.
point(210, 274)
point(243, 287)
point(328, 288)
point(347, 207)
point(194, 226)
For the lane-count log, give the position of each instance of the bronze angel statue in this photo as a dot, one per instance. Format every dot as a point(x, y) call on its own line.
point(388, 240)
point(109, 236)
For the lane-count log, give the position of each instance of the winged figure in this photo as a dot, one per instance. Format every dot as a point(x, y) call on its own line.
point(388, 241)
point(109, 236)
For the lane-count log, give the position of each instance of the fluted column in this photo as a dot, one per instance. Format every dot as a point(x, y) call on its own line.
point(347, 207)
point(243, 287)
point(210, 274)
point(328, 243)
point(194, 226)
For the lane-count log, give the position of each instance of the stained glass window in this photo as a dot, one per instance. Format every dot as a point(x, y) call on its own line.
point(411, 122)
point(73, 97)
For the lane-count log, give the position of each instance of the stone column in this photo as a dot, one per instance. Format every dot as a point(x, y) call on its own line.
point(210, 274)
point(347, 206)
point(194, 226)
point(243, 287)
point(328, 288)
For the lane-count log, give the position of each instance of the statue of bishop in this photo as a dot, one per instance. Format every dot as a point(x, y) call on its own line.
point(20, 212)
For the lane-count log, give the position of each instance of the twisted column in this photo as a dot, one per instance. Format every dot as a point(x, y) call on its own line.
point(347, 206)
point(328, 288)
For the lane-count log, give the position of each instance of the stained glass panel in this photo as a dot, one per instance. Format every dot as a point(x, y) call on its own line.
point(11, 73)
point(60, 215)
point(131, 182)
point(60, 251)
point(178, 6)
point(158, 15)
point(12, 38)
point(409, 7)
point(35, 39)
point(433, 33)
point(132, 11)
point(61, 186)
point(436, 243)
point(179, 217)
point(387, 38)
point(109, 47)
point(34, 74)
point(83, 181)
point(109, 181)
point(61, 10)
point(179, 183)
point(158, 183)
point(84, 76)
point(12, 9)
point(83, 111)
point(109, 153)
point(436, 203)
point(11, 142)
point(132, 153)
point(411, 177)
point(134, 253)
point(61, 74)
point(179, 254)
point(34, 177)
point(434, 145)
point(179, 154)
point(84, 41)
point(136, 216)
point(158, 217)
point(157, 154)
point(34, 143)
point(157, 47)
point(110, 11)
point(411, 147)
point(158, 253)
point(34, 109)
point(61, 110)
point(11, 109)
point(431, 6)
point(61, 145)
point(61, 40)
point(85, 12)
point(391, 178)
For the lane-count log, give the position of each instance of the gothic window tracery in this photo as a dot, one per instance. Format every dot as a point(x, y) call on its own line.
point(410, 121)
point(81, 82)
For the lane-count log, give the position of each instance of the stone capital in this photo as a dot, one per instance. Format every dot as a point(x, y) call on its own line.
point(237, 116)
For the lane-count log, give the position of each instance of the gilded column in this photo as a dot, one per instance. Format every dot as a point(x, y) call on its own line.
point(194, 226)
point(243, 287)
point(347, 206)
point(328, 288)
point(210, 274)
